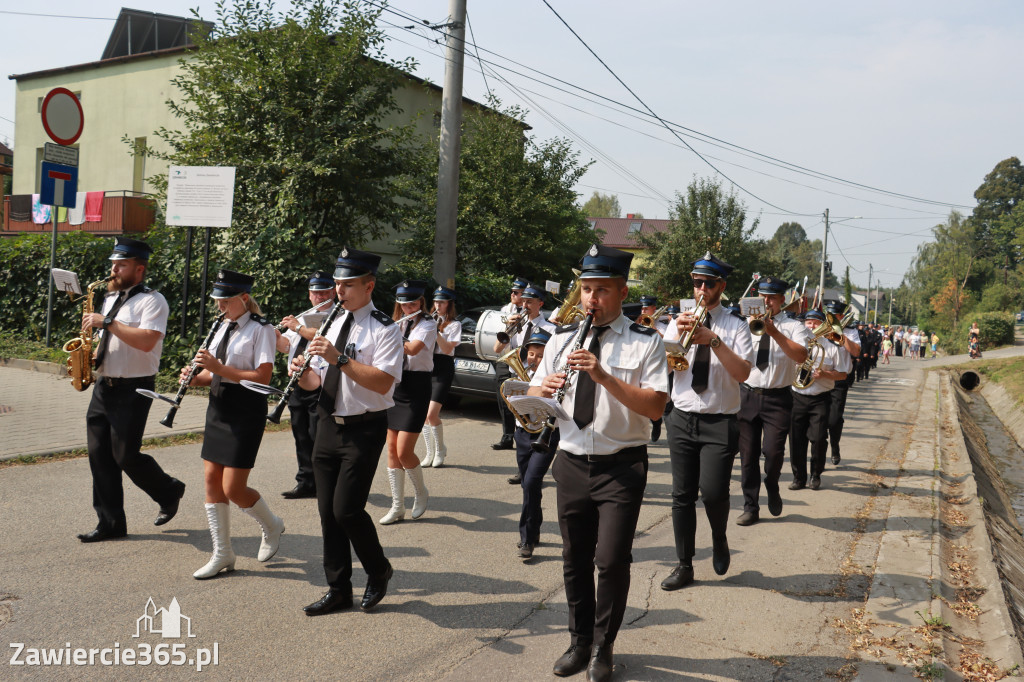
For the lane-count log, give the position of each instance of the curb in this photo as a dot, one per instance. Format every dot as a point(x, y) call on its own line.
point(35, 366)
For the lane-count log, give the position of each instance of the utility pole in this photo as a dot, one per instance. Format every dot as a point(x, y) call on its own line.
point(867, 293)
point(889, 323)
point(824, 254)
point(451, 146)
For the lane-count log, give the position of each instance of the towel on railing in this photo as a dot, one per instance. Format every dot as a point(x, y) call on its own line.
point(40, 212)
point(94, 206)
point(21, 207)
point(62, 214)
point(76, 215)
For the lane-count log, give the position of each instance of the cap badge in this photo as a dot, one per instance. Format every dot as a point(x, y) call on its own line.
point(593, 250)
point(344, 252)
point(707, 255)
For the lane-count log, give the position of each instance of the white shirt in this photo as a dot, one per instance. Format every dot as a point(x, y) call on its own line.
point(452, 334)
point(520, 337)
point(722, 396)
point(635, 357)
point(144, 310)
point(510, 309)
point(425, 331)
point(250, 345)
point(821, 384)
point(374, 340)
point(781, 369)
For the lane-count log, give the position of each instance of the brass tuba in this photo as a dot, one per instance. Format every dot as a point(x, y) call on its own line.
point(512, 359)
point(569, 311)
point(80, 347)
point(678, 361)
point(812, 363)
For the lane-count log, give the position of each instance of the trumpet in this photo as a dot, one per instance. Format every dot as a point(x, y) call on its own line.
point(569, 311)
point(756, 322)
point(511, 328)
point(678, 361)
point(316, 308)
point(543, 442)
point(811, 364)
point(649, 320)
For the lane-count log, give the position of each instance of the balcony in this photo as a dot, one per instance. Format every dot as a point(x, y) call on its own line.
point(123, 211)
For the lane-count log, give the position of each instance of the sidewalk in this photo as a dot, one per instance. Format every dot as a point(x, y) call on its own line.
point(461, 605)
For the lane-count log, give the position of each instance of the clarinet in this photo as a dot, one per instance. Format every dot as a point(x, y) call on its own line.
point(193, 370)
point(275, 416)
point(543, 442)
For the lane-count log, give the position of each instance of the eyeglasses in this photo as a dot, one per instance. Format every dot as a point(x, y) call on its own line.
point(704, 283)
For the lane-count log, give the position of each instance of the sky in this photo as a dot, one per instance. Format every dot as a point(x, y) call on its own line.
point(887, 114)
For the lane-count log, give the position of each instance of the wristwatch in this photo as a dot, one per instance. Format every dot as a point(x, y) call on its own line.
point(341, 361)
point(715, 342)
point(107, 321)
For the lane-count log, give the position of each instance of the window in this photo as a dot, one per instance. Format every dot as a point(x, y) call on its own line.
point(634, 227)
point(593, 224)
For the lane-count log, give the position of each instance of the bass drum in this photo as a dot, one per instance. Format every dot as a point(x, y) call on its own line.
point(487, 328)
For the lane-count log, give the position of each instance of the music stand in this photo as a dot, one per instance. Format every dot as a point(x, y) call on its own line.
point(66, 280)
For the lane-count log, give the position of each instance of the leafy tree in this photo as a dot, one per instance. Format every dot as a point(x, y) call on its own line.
point(704, 219)
point(1000, 193)
point(298, 103)
point(602, 206)
point(789, 236)
point(847, 286)
point(517, 207)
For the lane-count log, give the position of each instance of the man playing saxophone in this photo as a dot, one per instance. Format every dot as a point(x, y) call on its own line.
point(133, 319)
point(620, 383)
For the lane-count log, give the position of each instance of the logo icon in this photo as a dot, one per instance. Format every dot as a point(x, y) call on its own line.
point(164, 622)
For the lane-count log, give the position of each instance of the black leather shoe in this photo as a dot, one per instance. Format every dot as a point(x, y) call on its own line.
point(573, 660)
point(376, 588)
point(101, 534)
point(836, 458)
point(748, 518)
point(506, 443)
point(797, 485)
point(656, 432)
point(299, 492)
point(774, 502)
point(681, 576)
point(334, 600)
point(600, 668)
point(515, 480)
point(168, 511)
point(720, 556)
point(815, 482)
point(525, 551)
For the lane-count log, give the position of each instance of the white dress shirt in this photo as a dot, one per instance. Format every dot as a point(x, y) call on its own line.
point(144, 310)
point(520, 337)
point(250, 345)
point(831, 361)
point(635, 357)
point(372, 342)
point(722, 396)
point(510, 308)
point(452, 334)
point(781, 369)
point(425, 331)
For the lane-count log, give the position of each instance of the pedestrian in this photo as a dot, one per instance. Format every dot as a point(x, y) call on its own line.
point(886, 350)
point(849, 354)
point(974, 341)
point(235, 418)
point(449, 335)
point(515, 306)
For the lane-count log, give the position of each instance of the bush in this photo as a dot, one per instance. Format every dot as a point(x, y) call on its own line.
point(996, 330)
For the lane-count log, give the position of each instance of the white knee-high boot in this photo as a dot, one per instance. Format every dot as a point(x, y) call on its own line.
point(272, 526)
point(428, 440)
point(441, 450)
point(218, 514)
point(419, 503)
point(397, 512)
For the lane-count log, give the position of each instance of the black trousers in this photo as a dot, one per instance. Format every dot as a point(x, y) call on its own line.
point(863, 367)
point(302, 406)
point(837, 408)
point(115, 422)
point(809, 426)
point(344, 461)
point(764, 426)
point(533, 465)
point(598, 507)
point(508, 420)
point(702, 448)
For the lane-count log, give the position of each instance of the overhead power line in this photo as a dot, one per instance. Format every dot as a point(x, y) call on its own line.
point(55, 16)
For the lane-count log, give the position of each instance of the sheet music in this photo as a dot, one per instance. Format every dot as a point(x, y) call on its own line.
point(673, 347)
point(65, 280)
point(687, 305)
point(537, 406)
point(751, 305)
point(515, 387)
point(313, 320)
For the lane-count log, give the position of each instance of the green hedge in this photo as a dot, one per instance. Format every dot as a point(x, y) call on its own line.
point(996, 330)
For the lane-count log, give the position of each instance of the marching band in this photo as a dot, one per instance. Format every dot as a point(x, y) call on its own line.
point(597, 384)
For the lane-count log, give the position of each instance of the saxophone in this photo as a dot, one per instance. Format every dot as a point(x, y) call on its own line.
point(80, 347)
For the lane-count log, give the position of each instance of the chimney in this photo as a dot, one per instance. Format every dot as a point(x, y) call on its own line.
point(630, 216)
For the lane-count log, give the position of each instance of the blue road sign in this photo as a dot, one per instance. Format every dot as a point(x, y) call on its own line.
point(59, 185)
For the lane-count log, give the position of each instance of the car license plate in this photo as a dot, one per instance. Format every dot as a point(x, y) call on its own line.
point(472, 365)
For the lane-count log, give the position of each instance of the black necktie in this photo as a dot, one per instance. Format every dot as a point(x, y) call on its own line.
point(583, 407)
point(762, 352)
point(329, 392)
point(222, 355)
point(101, 351)
point(701, 365)
point(526, 337)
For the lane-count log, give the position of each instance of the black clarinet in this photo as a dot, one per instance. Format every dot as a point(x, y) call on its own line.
point(275, 415)
point(193, 370)
point(543, 442)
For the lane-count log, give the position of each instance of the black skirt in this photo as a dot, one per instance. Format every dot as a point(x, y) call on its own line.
point(234, 426)
point(412, 398)
point(441, 378)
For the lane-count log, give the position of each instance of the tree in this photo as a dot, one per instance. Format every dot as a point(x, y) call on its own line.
point(788, 236)
point(296, 101)
point(704, 219)
point(602, 206)
point(998, 195)
point(517, 206)
point(847, 286)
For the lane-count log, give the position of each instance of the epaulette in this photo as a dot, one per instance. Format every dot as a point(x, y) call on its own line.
point(562, 329)
point(147, 290)
point(646, 331)
point(258, 318)
point(382, 317)
point(736, 313)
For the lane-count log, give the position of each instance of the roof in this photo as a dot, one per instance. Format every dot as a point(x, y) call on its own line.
point(618, 232)
point(137, 32)
point(5, 150)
